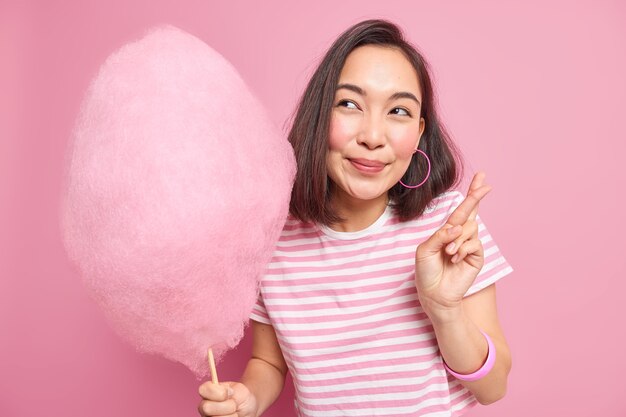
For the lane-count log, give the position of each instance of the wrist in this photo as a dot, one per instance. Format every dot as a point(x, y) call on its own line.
point(443, 315)
point(253, 405)
point(484, 369)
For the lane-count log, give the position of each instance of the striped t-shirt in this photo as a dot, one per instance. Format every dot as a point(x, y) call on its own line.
point(345, 311)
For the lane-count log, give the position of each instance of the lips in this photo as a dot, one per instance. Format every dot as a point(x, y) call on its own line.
point(367, 165)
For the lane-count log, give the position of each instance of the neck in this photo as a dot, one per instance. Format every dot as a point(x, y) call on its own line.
point(357, 214)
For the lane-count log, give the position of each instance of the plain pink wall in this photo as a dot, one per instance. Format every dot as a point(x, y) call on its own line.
point(532, 91)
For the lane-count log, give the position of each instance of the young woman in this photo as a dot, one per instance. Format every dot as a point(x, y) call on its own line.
point(380, 297)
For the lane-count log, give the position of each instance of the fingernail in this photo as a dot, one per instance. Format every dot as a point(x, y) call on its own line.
point(450, 247)
point(230, 392)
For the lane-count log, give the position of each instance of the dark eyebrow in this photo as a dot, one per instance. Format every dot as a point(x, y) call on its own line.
point(394, 96)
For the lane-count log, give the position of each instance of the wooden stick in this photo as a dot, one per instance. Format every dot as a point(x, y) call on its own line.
point(213, 369)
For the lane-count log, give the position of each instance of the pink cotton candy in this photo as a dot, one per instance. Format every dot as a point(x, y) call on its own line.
point(176, 188)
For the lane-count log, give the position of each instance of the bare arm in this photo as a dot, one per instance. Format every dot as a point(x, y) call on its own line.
point(446, 265)
point(261, 383)
point(464, 348)
point(265, 374)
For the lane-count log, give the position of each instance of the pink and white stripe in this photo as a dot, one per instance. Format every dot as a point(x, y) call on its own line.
point(345, 311)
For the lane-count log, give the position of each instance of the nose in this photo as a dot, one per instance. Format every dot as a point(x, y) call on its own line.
point(372, 132)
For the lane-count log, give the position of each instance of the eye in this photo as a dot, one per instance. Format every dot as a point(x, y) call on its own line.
point(345, 103)
point(406, 112)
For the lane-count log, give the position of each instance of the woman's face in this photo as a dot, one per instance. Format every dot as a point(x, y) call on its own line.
point(375, 122)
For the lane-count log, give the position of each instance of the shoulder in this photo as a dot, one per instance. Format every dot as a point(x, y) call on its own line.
point(447, 201)
point(294, 225)
point(294, 231)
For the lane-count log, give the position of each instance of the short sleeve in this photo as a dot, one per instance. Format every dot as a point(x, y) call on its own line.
point(495, 266)
point(259, 313)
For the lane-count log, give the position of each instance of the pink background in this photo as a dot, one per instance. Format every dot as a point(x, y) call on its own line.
point(532, 91)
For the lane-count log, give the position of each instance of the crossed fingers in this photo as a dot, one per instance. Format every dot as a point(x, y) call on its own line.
point(468, 209)
point(465, 216)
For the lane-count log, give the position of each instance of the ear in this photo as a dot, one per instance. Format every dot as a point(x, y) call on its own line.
point(422, 128)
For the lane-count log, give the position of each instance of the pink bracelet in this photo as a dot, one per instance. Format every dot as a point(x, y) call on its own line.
point(484, 370)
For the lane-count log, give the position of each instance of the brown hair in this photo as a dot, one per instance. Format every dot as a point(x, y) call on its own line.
point(310, 197)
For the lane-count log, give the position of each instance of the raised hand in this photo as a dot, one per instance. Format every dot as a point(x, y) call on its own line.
point(447, 263)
